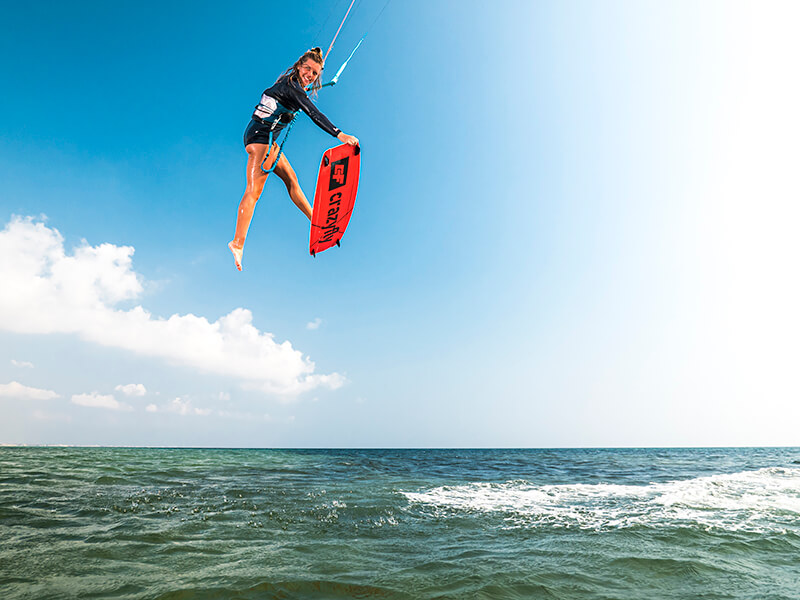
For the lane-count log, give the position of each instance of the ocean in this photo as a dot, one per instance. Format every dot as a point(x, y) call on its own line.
point(169, 524)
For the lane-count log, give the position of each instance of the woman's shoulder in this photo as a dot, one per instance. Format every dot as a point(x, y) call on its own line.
point(285, 79)
point(287, 84)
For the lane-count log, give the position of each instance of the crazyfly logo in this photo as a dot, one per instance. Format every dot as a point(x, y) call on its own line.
point(330, 229)
point(338, 173)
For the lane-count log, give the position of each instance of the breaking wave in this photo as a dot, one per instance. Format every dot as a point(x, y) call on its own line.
point(765, 500)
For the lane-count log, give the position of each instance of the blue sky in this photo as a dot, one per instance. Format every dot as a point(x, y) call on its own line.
point(575, 227)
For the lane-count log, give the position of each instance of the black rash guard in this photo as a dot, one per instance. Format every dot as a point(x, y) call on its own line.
point(281, 102)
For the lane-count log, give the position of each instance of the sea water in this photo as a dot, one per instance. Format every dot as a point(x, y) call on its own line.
point(406, 524)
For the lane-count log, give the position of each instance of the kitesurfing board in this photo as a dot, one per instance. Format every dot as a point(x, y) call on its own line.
point(335, 197)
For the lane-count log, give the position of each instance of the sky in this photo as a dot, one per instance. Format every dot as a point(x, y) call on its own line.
point(575, 227)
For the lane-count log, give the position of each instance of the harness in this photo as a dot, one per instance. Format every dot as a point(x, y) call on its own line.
point(273, 121)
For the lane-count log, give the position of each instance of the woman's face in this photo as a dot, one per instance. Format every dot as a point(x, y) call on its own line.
point(309, 71)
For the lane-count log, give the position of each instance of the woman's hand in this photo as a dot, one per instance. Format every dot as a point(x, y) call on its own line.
point(347, 139)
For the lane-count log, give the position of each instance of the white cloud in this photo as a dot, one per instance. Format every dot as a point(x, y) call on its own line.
point(314, 324)
point(17, 390)
point(54, 292)
point(95, 400)
point(184, 407)
point(151, 408)
point(132, 389)
point(22, 364)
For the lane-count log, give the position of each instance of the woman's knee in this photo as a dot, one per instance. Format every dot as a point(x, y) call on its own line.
point(286, 173)
point(294, 187)
point(291, 183)
point(248, 201)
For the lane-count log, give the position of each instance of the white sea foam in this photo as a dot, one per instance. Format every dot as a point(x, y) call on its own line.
point(766, 499)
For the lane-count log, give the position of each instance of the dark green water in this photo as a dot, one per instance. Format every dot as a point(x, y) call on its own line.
point(572, 524)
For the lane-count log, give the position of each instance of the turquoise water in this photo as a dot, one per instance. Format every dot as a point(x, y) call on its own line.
point(313, 524)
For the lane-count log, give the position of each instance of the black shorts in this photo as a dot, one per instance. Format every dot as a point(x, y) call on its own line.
point(258, 133)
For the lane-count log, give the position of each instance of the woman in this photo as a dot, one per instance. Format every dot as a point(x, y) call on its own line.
point(278, 106)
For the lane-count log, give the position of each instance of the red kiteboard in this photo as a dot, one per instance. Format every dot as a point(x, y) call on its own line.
point(335, 197)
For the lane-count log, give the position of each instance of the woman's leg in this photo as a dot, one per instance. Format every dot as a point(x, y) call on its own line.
point(286, 173)
point(255, 185)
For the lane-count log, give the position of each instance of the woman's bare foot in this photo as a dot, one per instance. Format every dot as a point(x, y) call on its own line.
point(237, 255)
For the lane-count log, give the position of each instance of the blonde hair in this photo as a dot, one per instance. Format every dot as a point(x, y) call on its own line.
point(293, 72)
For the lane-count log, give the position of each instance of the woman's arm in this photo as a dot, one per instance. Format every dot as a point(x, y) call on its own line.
point(320, 119)
point(316, 115)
